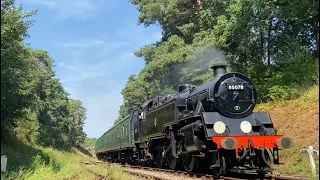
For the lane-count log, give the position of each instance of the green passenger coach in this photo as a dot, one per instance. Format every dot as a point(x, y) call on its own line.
point(116, 141)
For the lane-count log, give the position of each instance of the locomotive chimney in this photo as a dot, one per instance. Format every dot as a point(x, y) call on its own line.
point(219, 69)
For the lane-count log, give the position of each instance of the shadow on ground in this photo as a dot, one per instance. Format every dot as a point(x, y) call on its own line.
point(24, 157)
point(84, 151)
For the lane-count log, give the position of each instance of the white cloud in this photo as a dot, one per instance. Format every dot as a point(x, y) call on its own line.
point(103, 47)
point(89, 44)
point(81, 52)
point(98, 68)
point(81, 9)
point(83, 71)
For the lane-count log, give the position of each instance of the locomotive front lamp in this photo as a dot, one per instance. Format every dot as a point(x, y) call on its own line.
point(219, 127)
point(245, 126)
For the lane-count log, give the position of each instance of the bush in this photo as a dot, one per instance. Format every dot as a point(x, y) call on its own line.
point(289, 78)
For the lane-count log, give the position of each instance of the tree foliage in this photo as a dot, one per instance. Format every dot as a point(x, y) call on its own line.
point(274, 42)
point(34, 105)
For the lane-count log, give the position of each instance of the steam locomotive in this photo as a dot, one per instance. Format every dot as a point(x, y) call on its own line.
point(210, 127)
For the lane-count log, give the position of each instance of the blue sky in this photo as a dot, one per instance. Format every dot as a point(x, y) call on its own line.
point(92, 43)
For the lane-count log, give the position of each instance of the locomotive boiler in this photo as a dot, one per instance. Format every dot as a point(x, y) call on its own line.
point(211, 127)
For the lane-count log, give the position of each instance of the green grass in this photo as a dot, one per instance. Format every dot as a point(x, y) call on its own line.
point(34, 162)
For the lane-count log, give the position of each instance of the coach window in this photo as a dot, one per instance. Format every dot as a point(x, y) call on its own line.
point(123, 131)
point(124, 134)
point(120, 131)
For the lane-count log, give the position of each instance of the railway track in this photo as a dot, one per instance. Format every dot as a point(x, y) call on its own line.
point(187, 175)
point(98, 176)
point(168, 174)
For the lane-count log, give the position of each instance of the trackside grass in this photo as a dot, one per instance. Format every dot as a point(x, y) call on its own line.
point(299, 120)
point(36, 163)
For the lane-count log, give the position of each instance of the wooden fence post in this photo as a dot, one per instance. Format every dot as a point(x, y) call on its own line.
point(311, 152)
point(3, 163)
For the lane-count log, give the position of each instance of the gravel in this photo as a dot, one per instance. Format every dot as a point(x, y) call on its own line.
point(159, 175)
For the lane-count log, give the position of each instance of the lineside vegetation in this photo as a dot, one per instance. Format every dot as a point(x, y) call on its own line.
point(276, 43)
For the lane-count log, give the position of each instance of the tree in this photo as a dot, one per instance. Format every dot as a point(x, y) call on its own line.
point(16, 72)
point(77, 117)
point(261, 39)
point(34, 105)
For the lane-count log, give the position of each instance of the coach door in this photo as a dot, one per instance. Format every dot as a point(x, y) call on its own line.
point(136, 126)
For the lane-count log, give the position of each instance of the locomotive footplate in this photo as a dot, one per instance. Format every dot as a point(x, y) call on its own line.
point(271, 141)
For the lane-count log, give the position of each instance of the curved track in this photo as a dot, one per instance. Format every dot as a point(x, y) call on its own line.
point(151, 173)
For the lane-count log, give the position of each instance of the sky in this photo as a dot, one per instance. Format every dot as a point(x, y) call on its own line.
point(93, 44)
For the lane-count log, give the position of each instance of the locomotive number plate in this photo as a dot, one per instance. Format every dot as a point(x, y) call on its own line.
point(235, 87)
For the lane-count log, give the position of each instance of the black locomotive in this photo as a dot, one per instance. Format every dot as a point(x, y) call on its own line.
point(209, 127)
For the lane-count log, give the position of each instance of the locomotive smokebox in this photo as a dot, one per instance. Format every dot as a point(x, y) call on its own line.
point(183, 87)
point(219, 69)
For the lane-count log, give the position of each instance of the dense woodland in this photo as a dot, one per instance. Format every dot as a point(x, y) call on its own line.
point(273, 42)
point(35, 108)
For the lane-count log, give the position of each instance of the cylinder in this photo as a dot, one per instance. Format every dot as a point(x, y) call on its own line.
point(192, 137)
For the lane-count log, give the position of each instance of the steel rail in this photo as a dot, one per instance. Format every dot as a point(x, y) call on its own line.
point(200, 175)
